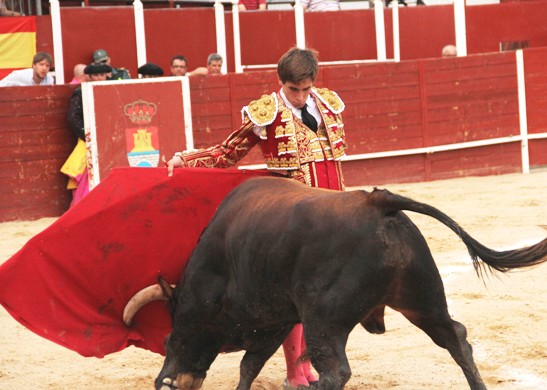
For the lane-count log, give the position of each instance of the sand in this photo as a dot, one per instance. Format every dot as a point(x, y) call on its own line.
point(505, 315)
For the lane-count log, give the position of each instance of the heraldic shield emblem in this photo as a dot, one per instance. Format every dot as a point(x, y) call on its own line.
point(142, 142)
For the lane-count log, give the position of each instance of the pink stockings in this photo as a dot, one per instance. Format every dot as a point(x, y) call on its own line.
point(298, 372)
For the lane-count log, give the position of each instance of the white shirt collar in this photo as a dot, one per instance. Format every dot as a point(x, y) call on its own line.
point(312, 107)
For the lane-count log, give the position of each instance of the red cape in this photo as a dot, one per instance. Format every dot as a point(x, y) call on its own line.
point(71, 282)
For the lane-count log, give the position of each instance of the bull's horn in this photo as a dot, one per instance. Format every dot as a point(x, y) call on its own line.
point(140, 299)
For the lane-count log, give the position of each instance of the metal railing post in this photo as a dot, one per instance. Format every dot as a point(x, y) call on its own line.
point(237, 37)
point(523, 120)
point(140, 36)
point(396, 40)
point(380, 30)
point(459, 23)
point(300, 26)
point(55, 11)
point(221, 34)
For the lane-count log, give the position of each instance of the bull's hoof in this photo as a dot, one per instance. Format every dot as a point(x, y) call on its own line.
point(168, 384)
point(288, 386)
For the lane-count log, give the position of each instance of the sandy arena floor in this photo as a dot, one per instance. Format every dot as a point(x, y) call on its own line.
point(506, 315)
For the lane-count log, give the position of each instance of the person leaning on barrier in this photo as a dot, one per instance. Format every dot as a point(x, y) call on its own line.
point(179, 65)
point(449, 51)
point(37, 75)
point(100, 55)
point(79, 75)
point(214, 66)
point(75, 167)
point(150, 70)
point(301, 134)
point(251, 5)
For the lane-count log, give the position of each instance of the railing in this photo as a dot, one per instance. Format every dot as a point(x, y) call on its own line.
point(220, 8)
point(41, 7)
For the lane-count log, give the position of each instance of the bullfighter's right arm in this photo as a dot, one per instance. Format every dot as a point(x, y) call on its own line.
point(225, 154)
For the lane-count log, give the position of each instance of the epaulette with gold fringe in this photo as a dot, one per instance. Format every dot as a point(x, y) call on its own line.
point(330, 99)
point(263, 111)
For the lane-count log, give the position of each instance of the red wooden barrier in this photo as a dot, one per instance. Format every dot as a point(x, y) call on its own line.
point(34, 142)
point(390, 107)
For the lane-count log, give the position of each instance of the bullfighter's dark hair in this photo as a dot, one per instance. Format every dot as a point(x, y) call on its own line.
point(297, 65)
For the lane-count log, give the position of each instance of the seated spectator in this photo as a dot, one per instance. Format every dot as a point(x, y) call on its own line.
point(251, 5)
point(214, 66)
point(37, 75)
point(449, 51)
point(150, 70)
point(4, 11)
point(79, 75)
point(179, 65)
point(75, 166)
point(320, 5)
point(403, 2)
point(100, 55)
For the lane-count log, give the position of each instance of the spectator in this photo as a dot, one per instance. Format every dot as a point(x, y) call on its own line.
point(79, 75)
point(150, 70)
point(75, 166)
point(449, 51)
point(301, 135)
point(251, 5)
point(37, 75)
point(101, 55)
point(179, 65)
point(4, 11)
point(320, 5)
point(214, 66)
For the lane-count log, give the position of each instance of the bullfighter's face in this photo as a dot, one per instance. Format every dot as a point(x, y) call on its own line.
point(297, 93)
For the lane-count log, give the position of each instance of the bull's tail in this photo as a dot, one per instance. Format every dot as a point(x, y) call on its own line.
point(502, 261)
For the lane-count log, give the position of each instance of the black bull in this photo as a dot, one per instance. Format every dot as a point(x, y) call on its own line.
point(278, 252)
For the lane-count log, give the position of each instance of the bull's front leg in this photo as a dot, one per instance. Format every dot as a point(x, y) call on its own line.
point(263, 346)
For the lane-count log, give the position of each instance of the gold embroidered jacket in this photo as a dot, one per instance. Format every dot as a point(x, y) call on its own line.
point(286, 142)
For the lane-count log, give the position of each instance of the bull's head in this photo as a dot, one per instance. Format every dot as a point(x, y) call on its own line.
point(166, 380)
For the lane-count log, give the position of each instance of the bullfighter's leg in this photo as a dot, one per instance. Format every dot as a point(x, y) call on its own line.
point(255, 358)
point(326, 347)
point(293, 348)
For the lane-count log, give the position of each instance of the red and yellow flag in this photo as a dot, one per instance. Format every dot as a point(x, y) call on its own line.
point(17, 43)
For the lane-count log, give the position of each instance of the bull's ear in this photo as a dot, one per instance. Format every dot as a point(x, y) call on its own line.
point(166, 287)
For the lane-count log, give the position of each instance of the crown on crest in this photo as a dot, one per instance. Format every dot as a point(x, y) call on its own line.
point(140, 111)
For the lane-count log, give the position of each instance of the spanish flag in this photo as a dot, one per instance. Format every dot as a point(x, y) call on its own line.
point(17, 43)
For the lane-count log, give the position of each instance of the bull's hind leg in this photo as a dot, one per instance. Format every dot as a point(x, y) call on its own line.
point(420, 297)
point(451, 335)
point(424, 304)
point(422, 300)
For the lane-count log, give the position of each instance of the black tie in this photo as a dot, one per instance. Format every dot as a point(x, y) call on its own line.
point(308, 119)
